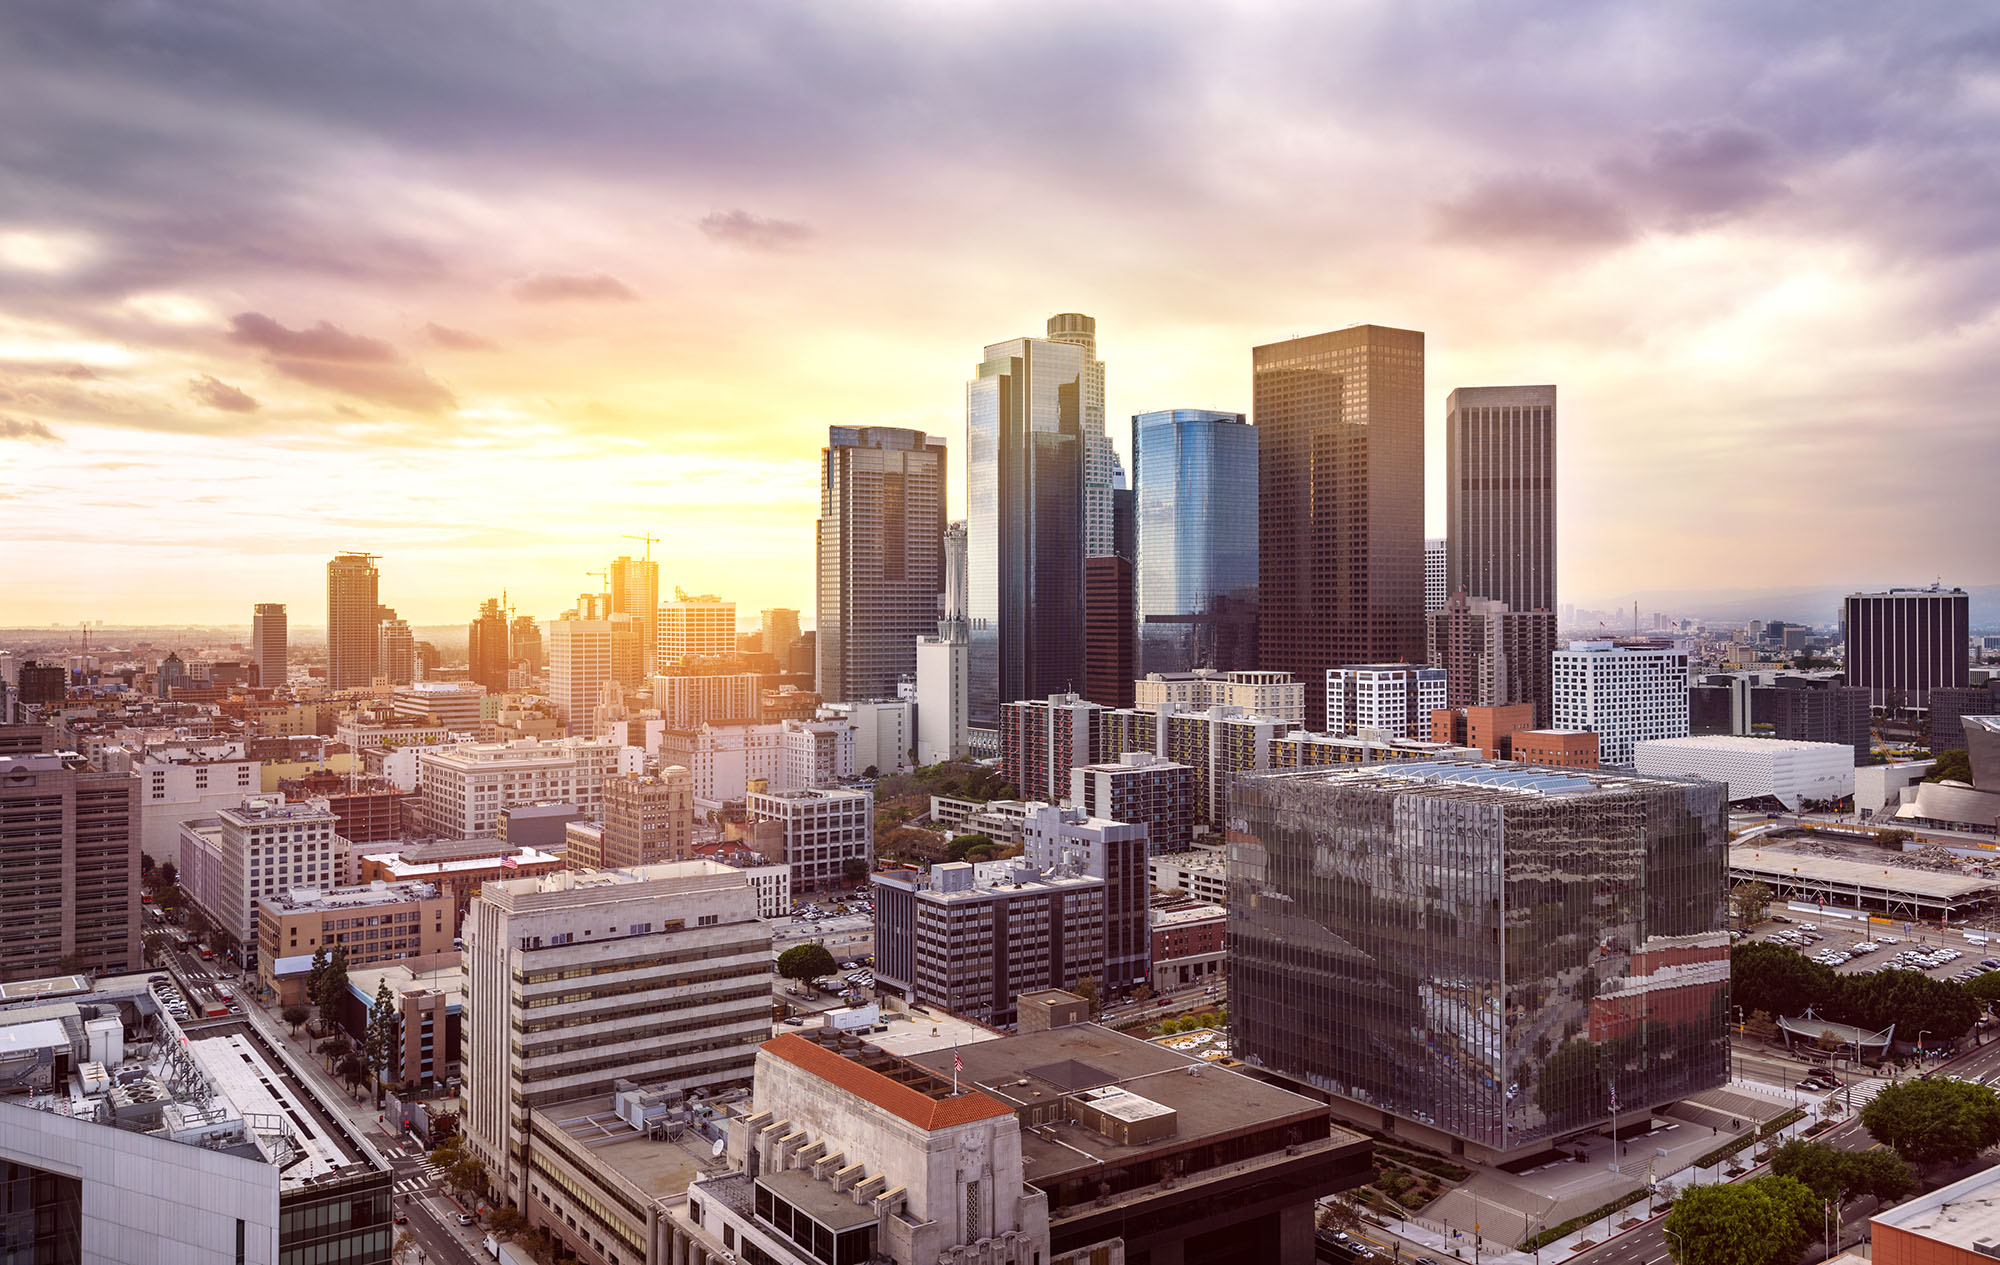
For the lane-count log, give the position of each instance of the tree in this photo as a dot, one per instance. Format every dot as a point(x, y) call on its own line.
point(295, 1015)
point(1773, 978)
point(854, 869)
point(1984, 988)
point(1760, 1025)
point(224, 941)
point(1951, 766)
point(871, 772)
point(145, 868)
point(379, 1041)
point(405, 1241)
point(1764, 1221)
point(1747, 902)
point(1086, 988)
point(506, 1223)
point(170, 874)
point(806, 962)
point(1931, 1122)
point(958, 847)
point(351, 1070)
point(316, 980)
point(332, 986)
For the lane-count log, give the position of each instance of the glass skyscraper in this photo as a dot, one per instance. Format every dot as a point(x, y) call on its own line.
point(1025, 524)
point(1195, 528)
point(1481, 951)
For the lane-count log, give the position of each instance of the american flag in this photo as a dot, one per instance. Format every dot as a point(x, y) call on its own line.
point(1614, 1095)
point(957, 1063)
point(509, 863)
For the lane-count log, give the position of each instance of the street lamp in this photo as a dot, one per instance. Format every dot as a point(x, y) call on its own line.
point(1679, 1248)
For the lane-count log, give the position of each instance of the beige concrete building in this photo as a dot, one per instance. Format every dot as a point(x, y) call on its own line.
point(648, 819)
point(456, 867)
point(378, 922)
point(69, 851)
point(465, 787)
point(685, 701)
point(695, 628)
point(659, 974)
point(263, 846)
point(1275, 694)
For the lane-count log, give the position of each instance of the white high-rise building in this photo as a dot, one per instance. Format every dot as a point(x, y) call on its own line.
point(695, 628)
point(1101, 469)
point(395, 652)
point(1435, 589)
point(1625, 694)
point(944, 664)
point(1394, 699)
point(465, 786)
point(256, 850)
point(268, 643)
point(579, 667)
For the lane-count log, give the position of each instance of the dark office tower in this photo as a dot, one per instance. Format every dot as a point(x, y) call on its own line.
point(351, 621)
point(487, 648)
point(268, 643)
point(1904, 643)
point(43, 683)
point(1340, 502)
point(1107, 631)
point(1950, 707)
point(1500, 495)
point(1024, 424)
point(526, 635)
point(880, 544)
point(1195, 525)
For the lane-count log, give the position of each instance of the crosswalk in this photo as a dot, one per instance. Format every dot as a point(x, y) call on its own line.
point(412, 1186)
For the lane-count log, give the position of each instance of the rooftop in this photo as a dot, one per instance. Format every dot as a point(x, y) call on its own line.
point(899, 1086)
point(264, 809)
point(1837, 873)
point(1963, 1214)
point(1743, 744)
point(306, 899)
point(1478, 779)
point(455, 858)
point(652, 1167)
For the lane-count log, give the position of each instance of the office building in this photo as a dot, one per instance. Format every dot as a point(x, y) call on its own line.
point(781, 629)
point(1491, 655)
point(1754, 768)
point(351, 601)
point(1904, 643)
point(989, 933)
point(1041, 740)
point(395, 652)
point(456, 706)
point(1202, 873)
point(1142, 789)
point(659, 974)
point(41, 684)
point(1392, 700)
point(526, 638)
point(467, 786)
point(694, 628)
point(1340, 502)
point(1623, 693)
point(1103, 476)
point(1500, 495)
point(148, 1143)
point(944, 665)
point(539, 824)
point(488, 647)
point(1070, 1144)
point(1815, 709)
point(1108, 630)
point(1190, 944)
point(786, 754)
point(579, 669)
point(1561, 748)
point(1490, 729)
point(366, 808)
point(1949, 708)
point(374, 922)
point(1275, 694)
point(635, 591)
point(1026, 436)
point(26, 740)
point(268, 643)
point(885, 732)
point(1512, 979)
point(261, 848)
point(69, 848)
point(1195, 512)
point(1217, 743)
point(1436, 588)
point(647, 819)
point(685, 700)
point(455, 867)
point(829, 835)
point(1059, 840)
point(880, 549)
point(179, 780)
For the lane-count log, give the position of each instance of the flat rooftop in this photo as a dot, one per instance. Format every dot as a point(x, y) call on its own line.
point(1479, 779)
point(650, 1167)
point(1961, 1214)
point(1792, 866)
point(307, 899)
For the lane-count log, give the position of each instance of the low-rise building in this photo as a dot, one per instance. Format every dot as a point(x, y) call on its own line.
point(376, 922)
point(1754, 768)
point(1202, 873)
point(1563, 748)
point(455, 705)
point(1190, 942)
point(466, 787)
point(1259, 693)
point(429, 996)
point(826, 832)
point(455, 867)
point(542, 825)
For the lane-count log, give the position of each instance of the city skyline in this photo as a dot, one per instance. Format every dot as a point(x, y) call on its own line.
point(389, 318)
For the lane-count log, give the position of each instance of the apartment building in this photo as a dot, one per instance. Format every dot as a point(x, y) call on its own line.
point(824, 831)
point(1059, 840)
point(1042, 739)
point(787, 755)
point(1276, 694)
point(69, 850)
point(659, 974)
point(257, 850)
point(647, 819)
point(1624, 692)
point(374, 922)
point(1394, 700)
point(687, 700)
point(695, 628)
point(465, 787)
point(183, 779)
point(1142, 789)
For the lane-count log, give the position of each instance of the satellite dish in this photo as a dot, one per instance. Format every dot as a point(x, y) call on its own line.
point(715, 1152)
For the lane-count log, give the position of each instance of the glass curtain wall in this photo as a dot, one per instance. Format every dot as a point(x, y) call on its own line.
point(1195, 518)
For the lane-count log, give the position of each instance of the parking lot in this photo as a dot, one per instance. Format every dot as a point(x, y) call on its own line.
point(1858, 950)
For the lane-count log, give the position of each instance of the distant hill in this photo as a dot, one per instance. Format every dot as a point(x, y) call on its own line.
point(1796, 605)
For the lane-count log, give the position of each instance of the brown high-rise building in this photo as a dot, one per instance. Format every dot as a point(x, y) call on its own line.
point(1493, 656)
point(487, 647)
point(69, 845)
point(1340, 502)
point(1500, 495)
point(648, 820)
point(1108, 669)
point(352, 617)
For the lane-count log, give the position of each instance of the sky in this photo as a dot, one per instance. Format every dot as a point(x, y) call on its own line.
point(484, 287)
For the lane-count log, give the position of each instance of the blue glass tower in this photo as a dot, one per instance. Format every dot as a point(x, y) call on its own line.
point(1195, 528)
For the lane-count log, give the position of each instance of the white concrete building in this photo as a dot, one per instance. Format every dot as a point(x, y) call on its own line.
point(695, 628)
point(1625, 694)
point(718, 698)
point(944, 665)
point(1435, 589)
point(660, 974)
point(1200, 872)
point(1064, 841)
point(465, 787)
point(1278, 695)
point(885, 732)
point(786, 754)
point(1789, 772)
point(258, 849)
point(1394, 700)
point(823, 831)
point(179, 781)
point(773, 885)
point(452, 705)
point(1880, 786)
point(363, 731)
point(579, 668)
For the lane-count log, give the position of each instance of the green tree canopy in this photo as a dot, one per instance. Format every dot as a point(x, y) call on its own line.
point(1843, 1176)
point(957, 848)
point(1747, 902)
point(806, 962)
point(1931, 1122)
point(379, 1042)
point(1773, 978)
point(1952, 766)
point(1764, 1221)
point(295, 1015)
point(854, 869)
point(1984, 988)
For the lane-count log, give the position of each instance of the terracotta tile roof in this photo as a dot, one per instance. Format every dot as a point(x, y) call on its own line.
point(913, 1105)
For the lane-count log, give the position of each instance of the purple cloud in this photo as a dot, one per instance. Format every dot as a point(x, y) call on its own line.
point(457, 339)
point(1534, 209)
point(15, 428)
point(219, 394)
point(738, 227)
point(397, 385)
point(596, 287)
point(324, 341)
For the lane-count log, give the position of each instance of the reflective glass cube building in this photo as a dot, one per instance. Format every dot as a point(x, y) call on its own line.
point(1482, 955)
point(1195, 532)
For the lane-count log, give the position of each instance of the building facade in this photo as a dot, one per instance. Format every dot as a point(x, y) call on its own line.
point(395, 652)
point(258, 850)
point(1340, 502)
point(268, 643)
point(1140, 788)
point(579, 669)
point(1062, 841)
point(787, 754)
point(467, 787)
point(1493, 656)
point(1195, 512)
point(351, 600)
point(1278, 695)
point(1623, 693)
point(1108, 630)
point(1904, 643)
point(1754, 768)
point(1394, 700)
point(635, 591)
point(1500, 495)
point(717, 698)
point(1041, 740)
point(1426, 942)
point(69, 848)
point(1436, 588)
point(825, 833)
point(694, 628)
point(489, 646)
point(880, 551)
point(944, 666)
point(374, 922)
point(648, 818)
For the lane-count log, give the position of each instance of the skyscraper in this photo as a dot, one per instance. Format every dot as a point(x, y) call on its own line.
point(268, 643)
point(395, 652)
point(579, 667)
point(943, 665)
point(1624, 692)
point(1340, 502)
point(487, 646)
point(1493, 656)
point(351, 592)
point(1101, 471)
point(1025, 529)
point(1904, 643)
point(1436, 588)
point(1196, 529)
point(880, 549)
point(781, 629)
point(526, 637)
point(1500, 495)
point(635, 591)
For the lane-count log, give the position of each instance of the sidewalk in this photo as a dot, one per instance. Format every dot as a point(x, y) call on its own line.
point(360, 1115)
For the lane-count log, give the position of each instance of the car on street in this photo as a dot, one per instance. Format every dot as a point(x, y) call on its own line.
point(466, 1218)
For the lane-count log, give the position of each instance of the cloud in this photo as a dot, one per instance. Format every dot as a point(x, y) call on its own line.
point(596, 287)
point(218, 394)
point(1695, 176)
point(15, 428)
point(754, 232)
point(1537, 209)
point(397, 385)
point(457, 339)
point(324, 341)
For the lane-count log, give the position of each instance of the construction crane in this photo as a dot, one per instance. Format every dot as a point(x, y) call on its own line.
point(650, 542)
